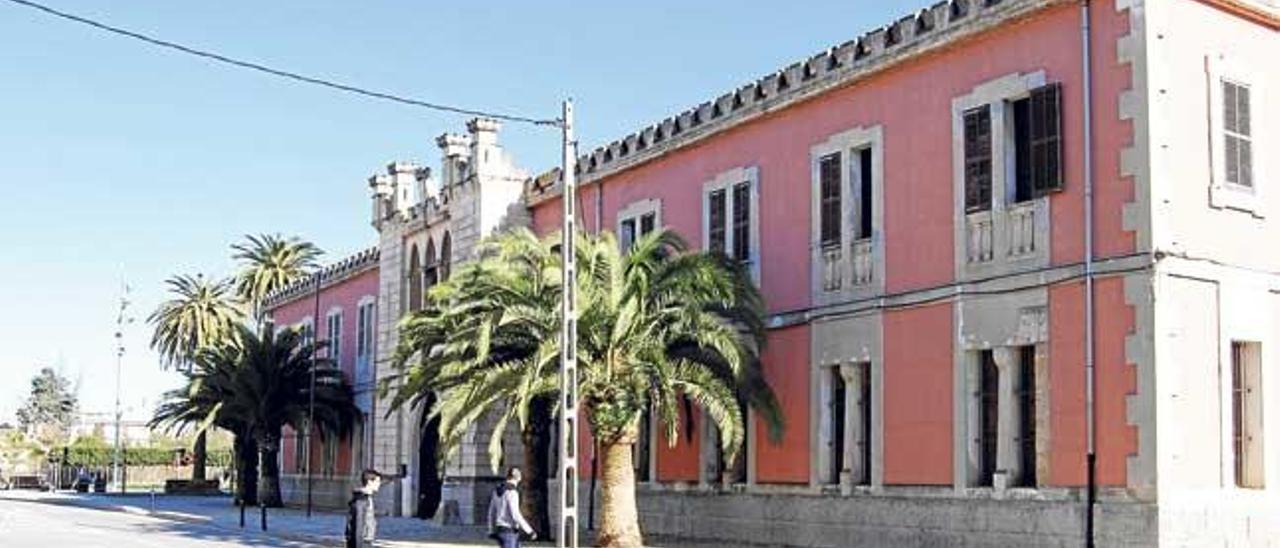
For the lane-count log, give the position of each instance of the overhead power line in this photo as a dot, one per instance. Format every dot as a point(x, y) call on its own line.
point(283, 73)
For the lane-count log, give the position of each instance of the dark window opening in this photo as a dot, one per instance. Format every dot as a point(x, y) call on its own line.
point(836, 443)
point(648, 222)
point(829, 206)
point(715, 221)
point(863, 188)
point(977, 159)
point(864, 403)
point(1022, 189)
point(989, 409)
point(627, 236)
point(742, 222)
point(1027, 410)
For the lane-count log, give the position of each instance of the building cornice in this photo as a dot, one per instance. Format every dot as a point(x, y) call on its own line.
point(908, 38)
point(330, 275)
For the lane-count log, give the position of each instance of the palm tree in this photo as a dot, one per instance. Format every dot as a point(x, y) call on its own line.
point(659, 328)
point(201, 315)
point(487, 341)
point(199, 405)
point(265, 383)
point(271, 262)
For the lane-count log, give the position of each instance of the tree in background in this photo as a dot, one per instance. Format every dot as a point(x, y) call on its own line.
point(50, 410)
point(200, 315)
point(263, 383)
point(269, 263)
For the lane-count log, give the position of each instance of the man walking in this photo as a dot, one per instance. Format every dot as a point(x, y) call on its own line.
point(362, 523)
point(505, 520)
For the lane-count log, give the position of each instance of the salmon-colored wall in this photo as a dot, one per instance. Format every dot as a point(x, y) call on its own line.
point(912, 104)
point(786, 366)
point(917, 395)
point(346, 295)
point(1116, 379)
point(680, 462)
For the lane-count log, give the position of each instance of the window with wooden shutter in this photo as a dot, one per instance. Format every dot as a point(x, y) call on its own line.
point(977, 159)
point(627, 236)
point(1045, 128)
point(716, 221)
point(742, 221)
point(829, 207)
point(1237, 134)
point(1246, 413)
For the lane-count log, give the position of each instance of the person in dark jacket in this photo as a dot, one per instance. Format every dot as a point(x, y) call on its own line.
point(362, 523)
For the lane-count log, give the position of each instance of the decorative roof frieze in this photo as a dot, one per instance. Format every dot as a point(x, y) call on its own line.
point(926, 30)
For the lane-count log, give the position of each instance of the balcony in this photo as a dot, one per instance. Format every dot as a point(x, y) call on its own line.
point(1021, 224)
point(832, 263)
point(863, 262)
point(979, 237)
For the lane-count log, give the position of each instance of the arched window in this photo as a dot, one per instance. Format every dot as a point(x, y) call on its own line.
point(431, 273)
point(414, 281)
point(446, 256)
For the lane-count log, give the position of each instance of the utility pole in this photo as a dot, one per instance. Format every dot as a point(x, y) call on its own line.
point(568, 533)
point(121, 320)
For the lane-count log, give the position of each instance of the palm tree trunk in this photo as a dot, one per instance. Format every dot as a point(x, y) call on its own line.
point(536, 438)
point(246, 454)
point(269, 466)
point(619, 519)
point(200, 457)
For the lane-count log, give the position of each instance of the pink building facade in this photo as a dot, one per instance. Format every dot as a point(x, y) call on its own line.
point(347, 307)
point(1014, 254)
point(926, 210)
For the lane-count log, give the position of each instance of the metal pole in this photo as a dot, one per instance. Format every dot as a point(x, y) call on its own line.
point(120, 321)
point(569, 338)
point(1091, 455)
point(311, 396)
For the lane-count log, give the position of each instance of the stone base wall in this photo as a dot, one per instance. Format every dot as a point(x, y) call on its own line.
point(326, 492)
point(465, 501)
point(901, 521)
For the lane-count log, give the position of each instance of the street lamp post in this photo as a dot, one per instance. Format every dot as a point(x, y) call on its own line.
point(121, 320)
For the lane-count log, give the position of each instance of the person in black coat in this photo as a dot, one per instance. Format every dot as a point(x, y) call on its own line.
point(362, 523)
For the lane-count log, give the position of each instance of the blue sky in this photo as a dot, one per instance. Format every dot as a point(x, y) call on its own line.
point(118, 159)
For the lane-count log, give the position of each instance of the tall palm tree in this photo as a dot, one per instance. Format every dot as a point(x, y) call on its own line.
point(497, 320)
point(265, 382)
point(270, 262)
point(200, 315)
point(659, 328)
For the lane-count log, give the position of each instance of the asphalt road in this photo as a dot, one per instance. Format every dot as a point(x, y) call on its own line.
point(43, 525)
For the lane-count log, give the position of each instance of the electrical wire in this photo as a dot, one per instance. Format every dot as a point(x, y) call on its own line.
point(283, 73)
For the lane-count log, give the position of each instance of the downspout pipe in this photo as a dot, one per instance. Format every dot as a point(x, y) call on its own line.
point(1091, 456)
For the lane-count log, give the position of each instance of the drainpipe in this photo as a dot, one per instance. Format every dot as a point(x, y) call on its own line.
point(1091, 457)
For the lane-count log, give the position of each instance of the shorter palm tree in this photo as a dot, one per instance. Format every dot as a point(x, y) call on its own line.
point(199, 405)
point(268, 383)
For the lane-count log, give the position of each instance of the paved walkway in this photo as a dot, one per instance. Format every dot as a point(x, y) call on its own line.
point(323, 527)
point(288, 525)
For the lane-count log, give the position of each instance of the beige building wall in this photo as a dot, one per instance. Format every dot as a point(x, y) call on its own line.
point(1217, 268)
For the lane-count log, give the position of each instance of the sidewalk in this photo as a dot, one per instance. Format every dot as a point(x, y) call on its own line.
point(323, 527)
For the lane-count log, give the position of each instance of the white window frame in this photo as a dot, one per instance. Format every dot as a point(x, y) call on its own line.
point(1222, 194)
point(634, 211)
point(846, 143)
point(999, 94)
point(727, 181)
point(334, 351)
point(307, 330)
